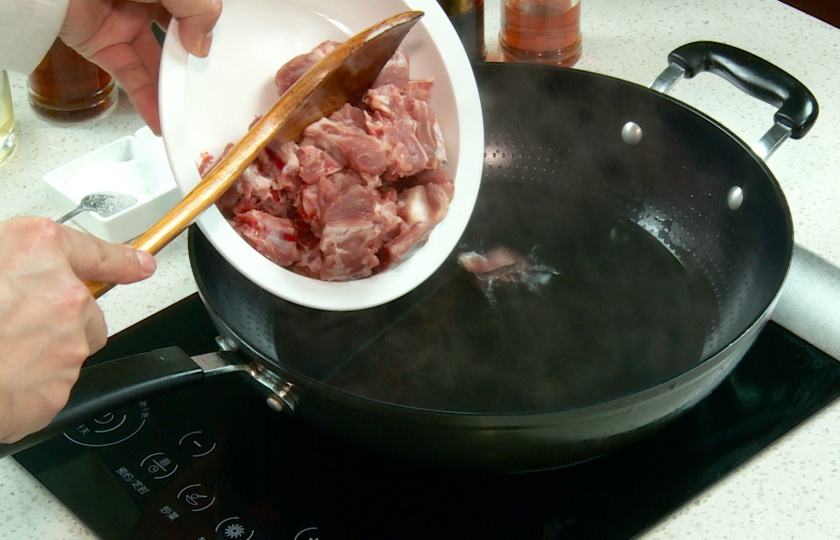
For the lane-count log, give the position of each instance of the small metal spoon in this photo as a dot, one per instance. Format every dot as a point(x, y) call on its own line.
point(104, 203)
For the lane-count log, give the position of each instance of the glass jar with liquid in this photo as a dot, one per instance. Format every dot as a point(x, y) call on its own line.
point(8, 135)
point(542, 31)
point(66, 88)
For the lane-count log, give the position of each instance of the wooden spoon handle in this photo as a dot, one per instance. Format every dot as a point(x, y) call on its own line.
point(338, 78)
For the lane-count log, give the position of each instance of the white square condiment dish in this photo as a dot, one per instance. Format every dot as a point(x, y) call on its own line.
point(130, 165)
point(210, 102)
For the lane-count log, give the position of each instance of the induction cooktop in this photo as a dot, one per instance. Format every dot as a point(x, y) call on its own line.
point(211, 461)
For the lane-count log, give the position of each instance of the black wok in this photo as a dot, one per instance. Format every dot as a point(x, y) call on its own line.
point(659, 259)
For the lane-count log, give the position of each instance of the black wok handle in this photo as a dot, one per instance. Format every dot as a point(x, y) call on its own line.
point(114, 383)
point(798, 108)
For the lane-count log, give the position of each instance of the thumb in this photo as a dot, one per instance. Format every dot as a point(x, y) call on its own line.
point(93, 259)
point(196, 20)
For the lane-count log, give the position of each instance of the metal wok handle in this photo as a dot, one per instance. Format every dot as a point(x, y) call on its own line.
point(797, 106)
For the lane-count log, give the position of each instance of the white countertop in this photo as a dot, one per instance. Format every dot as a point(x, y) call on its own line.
point(790, 490)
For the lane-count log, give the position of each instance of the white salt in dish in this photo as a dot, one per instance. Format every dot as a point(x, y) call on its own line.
point(133, 165)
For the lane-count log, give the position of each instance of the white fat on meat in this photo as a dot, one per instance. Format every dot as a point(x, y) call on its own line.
point(427, 203)
point(414, 205)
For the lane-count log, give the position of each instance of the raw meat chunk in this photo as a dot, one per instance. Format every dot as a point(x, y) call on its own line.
point(503, 265)
point(272, 236)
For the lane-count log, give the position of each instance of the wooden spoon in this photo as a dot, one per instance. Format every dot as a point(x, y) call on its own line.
point(340, 77)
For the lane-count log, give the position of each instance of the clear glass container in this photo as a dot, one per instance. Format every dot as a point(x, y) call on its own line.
point(542, 31)
point(8, 135)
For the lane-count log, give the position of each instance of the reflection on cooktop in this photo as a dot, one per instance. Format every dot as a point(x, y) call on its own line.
point(212, 461)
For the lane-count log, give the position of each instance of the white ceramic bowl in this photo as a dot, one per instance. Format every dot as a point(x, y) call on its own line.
point(132, 165)
point(207, 103)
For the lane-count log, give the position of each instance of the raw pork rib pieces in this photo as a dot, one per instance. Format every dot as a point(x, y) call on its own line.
point(359, 193)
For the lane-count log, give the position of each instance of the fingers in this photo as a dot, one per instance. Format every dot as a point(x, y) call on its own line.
point(196, 19)
point(94, 259)
point(49, 323)
point(136, 66)
point(137, 77)
point(96, 330)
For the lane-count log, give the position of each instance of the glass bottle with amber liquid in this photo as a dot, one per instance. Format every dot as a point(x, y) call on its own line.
point(67, 88)
point(467, 17)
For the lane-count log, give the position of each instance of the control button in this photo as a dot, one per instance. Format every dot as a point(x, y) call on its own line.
point(197, 444)
point(159, 466)
point(232, 529)
point(196, 498)
point(169, 513)
point(110, 428)
point(310, 533)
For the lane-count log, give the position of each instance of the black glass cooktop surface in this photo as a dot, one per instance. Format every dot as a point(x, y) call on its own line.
point(213, 462)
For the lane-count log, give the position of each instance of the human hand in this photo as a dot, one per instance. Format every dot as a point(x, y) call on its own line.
point(49, 322)
point(117, 36)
